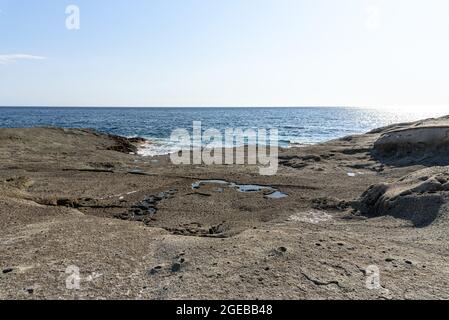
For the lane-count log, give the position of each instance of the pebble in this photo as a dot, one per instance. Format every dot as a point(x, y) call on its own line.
point(29, 290)
point(282, 249)
point(154, 270)
point(176, 267)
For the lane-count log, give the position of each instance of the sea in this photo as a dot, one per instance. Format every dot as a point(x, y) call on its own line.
point(296, 126)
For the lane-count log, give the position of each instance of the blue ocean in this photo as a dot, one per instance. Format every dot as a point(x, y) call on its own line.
point(295, 125)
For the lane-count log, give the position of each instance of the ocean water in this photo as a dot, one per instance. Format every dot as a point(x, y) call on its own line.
point(295, 125)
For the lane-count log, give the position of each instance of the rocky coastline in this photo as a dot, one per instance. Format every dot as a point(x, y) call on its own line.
point(135, 228)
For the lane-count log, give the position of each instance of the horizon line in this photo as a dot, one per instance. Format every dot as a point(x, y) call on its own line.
point(198, 107)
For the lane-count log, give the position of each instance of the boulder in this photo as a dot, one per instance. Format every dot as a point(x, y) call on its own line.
point(421, 198)
point(415, 144)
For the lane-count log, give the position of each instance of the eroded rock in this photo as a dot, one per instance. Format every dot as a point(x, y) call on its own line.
point(426, 144)
point(422, 197)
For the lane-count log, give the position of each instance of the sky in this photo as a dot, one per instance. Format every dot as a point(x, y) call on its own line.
point(370, 53)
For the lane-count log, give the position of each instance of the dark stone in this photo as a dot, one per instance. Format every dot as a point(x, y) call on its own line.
point(150, 199)
point(146, 210)
point(7, 270)
point(311, 158)
point(176, 267)
point(138, 212)
point(66, 203)
point(152, 272)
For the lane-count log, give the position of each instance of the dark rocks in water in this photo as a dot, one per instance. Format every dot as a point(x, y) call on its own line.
point(125, 145)
point(145, 210)
point(142, 209)
point(137, 140)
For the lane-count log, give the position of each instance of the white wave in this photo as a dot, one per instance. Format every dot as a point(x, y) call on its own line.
point(156, 148)
point(159, 146)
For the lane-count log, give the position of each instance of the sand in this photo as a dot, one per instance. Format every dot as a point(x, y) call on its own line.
point(134, 228)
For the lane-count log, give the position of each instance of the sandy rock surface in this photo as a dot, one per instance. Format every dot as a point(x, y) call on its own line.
point(79, 207)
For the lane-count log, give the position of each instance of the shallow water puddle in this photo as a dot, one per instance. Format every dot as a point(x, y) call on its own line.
point(271, 193)
point(352, 174)
point(198, 184)
point(277, 195)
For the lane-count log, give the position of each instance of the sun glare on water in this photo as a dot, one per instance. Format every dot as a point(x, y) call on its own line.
point(419, 112)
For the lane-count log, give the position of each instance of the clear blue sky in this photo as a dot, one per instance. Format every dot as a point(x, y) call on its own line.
point(226, 53)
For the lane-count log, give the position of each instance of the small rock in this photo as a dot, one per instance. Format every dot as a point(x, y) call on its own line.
point(29, 290)
point(282, 249)
point(176, 267)
point(154, 270)
point(7, 270)
point(278, 252)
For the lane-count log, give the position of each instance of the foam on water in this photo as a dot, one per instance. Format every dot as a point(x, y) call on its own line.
point(155, 148)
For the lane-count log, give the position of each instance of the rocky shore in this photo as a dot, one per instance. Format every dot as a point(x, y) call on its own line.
point(83, 217)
